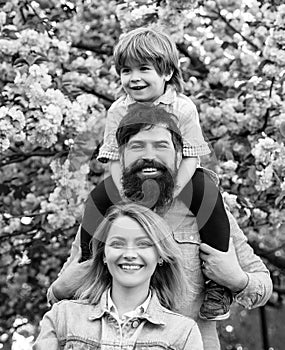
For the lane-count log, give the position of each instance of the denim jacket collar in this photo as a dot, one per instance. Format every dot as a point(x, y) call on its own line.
point(154, 313)
point(167, 98)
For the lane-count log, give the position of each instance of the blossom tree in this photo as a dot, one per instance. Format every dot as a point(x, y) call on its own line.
point(57, 80)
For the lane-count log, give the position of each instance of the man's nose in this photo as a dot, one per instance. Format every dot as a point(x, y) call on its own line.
point(149, 152)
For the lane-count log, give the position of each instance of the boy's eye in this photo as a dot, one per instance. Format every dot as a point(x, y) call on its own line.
point(125, 70)
point(145, 68)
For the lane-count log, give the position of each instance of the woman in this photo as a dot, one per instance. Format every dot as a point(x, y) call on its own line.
point(126, 295)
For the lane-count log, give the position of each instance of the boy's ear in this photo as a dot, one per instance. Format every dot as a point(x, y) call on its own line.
point(168, 76)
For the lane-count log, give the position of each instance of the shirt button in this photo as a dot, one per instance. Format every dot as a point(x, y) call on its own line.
point(135, 324)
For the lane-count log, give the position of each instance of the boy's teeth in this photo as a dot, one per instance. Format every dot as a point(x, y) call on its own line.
point(130, 267)
point(138, 87)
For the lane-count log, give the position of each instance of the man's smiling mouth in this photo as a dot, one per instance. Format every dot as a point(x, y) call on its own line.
point(149, 172)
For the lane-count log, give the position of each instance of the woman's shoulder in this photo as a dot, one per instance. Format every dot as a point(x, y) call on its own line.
point(177, 317)
point(71, 305)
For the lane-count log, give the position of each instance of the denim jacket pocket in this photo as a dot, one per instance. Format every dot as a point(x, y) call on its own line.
point(78, 343)
point(153, 346)
point(189, 245)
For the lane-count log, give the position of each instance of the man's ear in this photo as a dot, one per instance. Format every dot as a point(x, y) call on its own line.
point(178, 159)
point(121, 159)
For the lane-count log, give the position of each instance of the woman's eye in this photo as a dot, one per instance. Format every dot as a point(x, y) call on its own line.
point(116, 244)
point(144, 244)
point(125, 70)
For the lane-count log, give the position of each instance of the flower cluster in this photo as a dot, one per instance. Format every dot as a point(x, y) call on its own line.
point(12, 123)
point(269, 157)
point(274, 49)
point(65, 203)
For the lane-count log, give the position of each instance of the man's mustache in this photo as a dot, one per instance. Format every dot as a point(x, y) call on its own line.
point(141, 164)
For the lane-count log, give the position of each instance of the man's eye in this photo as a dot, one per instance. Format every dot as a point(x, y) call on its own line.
point(162, 145)
point(136, 146)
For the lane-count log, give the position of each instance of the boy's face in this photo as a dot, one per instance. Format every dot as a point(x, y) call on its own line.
point(142, 82)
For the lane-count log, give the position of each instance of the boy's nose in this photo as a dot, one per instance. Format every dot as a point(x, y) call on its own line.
point(135, 76)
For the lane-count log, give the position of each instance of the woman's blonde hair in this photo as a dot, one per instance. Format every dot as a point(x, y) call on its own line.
point(167, 279)
point(148, 45)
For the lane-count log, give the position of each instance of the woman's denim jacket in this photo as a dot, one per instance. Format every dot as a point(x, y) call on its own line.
point(77, 325)
point(186, 234)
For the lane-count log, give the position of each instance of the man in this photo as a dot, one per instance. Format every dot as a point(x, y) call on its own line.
point(150, 152)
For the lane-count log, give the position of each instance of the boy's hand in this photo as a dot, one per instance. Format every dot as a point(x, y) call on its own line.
point(67, 283)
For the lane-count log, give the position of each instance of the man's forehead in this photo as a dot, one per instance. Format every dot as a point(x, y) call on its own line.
point(156, 133)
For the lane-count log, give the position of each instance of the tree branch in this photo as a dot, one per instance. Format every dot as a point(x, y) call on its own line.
point(218, 13)
point(19, 157)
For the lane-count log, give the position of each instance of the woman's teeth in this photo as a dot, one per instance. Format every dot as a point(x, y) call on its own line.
point(131, 267)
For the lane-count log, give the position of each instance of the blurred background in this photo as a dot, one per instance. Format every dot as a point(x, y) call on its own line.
point(57, 80)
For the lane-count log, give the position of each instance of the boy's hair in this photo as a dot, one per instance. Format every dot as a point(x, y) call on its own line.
point(148, 45)
point(142, 117)
point(167, 279)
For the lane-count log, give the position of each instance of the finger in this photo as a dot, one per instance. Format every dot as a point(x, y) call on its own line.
point(203, 257)
point(206, 249)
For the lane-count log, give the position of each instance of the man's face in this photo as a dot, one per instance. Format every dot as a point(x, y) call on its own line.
point(150, 163)
point(153, 144)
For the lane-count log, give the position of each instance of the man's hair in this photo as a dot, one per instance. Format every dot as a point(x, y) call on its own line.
point(142, 117)
point(148, 45)
point(167, 279)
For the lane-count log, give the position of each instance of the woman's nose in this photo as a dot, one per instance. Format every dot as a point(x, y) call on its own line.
point(130, 253)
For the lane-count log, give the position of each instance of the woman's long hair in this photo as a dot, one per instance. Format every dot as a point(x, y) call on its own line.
point(168, 278)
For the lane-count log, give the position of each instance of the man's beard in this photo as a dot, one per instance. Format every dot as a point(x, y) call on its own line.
point(152, 191)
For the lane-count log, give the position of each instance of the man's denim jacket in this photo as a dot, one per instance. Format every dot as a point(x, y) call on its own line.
point(78, 325)
point(185, 231)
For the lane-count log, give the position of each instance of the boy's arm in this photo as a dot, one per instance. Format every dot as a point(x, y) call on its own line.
point(185, 172)
point(116, 173)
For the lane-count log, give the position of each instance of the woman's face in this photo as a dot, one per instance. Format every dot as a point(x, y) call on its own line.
point(130, 254)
